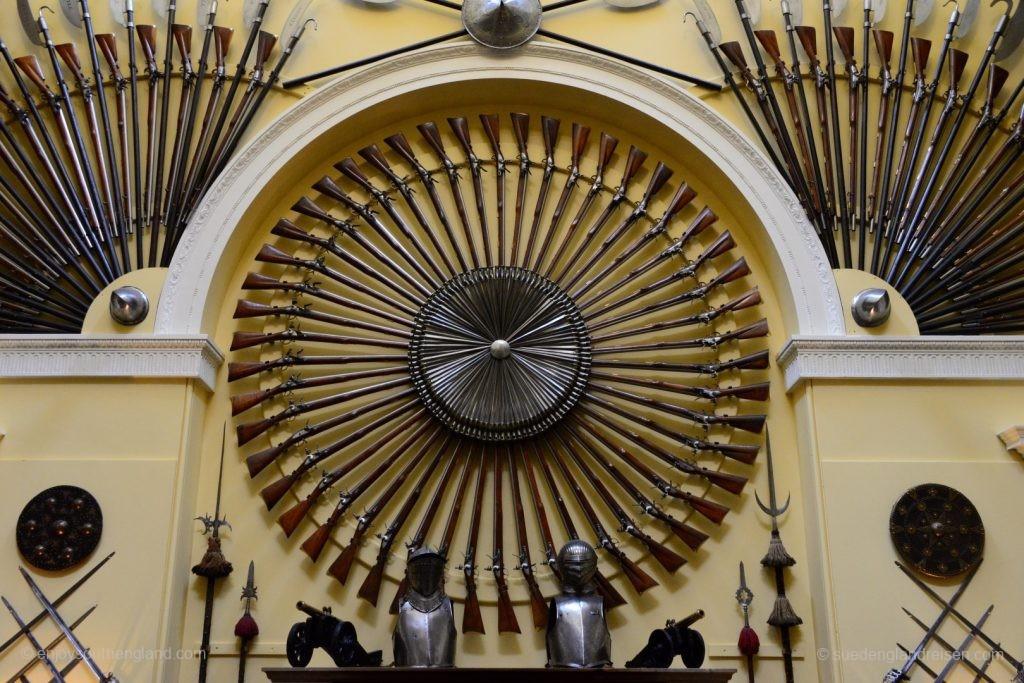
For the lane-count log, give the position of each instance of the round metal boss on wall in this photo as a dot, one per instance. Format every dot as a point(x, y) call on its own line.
point(937, 530)
point(499, 353)
point(59, 528)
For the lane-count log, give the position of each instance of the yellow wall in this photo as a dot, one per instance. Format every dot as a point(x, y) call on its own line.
point(845, 450)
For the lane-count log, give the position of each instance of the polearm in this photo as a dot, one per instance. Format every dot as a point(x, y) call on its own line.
point(507, 622)
point(904, 234)
point(712, 37)
point(350, 169)
point(460, 128)
point(808, 134)
point(957, 654)
point(260, 282)
point(611, 596)
point(538, 605)
point(51, 609)
point(183, 39)
point(777, 559)
point(213, 564)
point(69, 55)
point(51, 159)
point(920, 49)
point(580, 136)
point(120, 219)
point(492, 129)
point(246, 628)
point(40, 652)
point(972, 150)
point(803, 189)
point(895, 675)
point(667, 558)
point(890, 139)
point(770, 43)
point(915, 220)
point(637, 577)
point(862, 179)
point(254, 20)
point(899, 194)
point(883, 45)
point(472, 621)
point(133, 77)
point(108, 45)
point(177, 191)
point(429, 515)
point(222, 42)
point(549, 132)
point(845, 218)
point(369, 590)
point(19, 675)
point(855, 78)
point(147, 41)
point(168, 9)
point(604, 157)
point(341, 566)
point(917, 203)
point(809, 40)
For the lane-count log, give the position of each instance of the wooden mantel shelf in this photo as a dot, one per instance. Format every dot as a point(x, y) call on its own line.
point(458, 675)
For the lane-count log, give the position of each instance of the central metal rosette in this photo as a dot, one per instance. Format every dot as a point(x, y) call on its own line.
point(499, 353)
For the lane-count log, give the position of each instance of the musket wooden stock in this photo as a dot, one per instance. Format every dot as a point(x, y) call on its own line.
point(732, 483)
point(743, 301)
point(245, 340)
point(580, 136)
point(507, 622)
point(250, 430)
point(492, 129)
point(289, 520)
point(240, 369)
point(460, 127)
point(259, 281)
point(538, 605)
point(369, 590)
point(432, 136)
point(521, 133)
point(243, 402)
point(253, 309)
point(472, 621)
point(549, 133)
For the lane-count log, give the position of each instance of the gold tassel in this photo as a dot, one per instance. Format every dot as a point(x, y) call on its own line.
point(213, 565)
point(783, 614)
point(777, 555)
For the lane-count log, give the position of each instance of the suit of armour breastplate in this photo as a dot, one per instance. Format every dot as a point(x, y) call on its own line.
point(425, 638)
point(579, 637)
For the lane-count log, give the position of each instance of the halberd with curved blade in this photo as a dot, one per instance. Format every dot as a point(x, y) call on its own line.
point(251, 10)
point(967, 17)
point(297, 19)
point(707, 15)
point(1013, 36)
point(162, 8)
point(118, 10)
point(922, 10)
point(72, 11)
point(28, 21)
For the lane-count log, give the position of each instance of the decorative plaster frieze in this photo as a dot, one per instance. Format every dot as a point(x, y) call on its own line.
point(157, 356)
point(902, 358)
point(1012, 437)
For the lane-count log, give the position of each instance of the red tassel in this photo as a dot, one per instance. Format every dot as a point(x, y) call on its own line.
point(749, 643)
point(247, 628)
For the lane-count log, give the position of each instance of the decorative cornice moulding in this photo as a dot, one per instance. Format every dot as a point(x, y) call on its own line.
point(902, 358)
point(111, 356)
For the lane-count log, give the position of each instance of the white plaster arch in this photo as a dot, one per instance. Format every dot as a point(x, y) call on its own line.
point(800, 270)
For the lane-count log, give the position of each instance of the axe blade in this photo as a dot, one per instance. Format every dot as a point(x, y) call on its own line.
point(707, 15)
point(72, 11)
point(28, 21)
point(922, 10)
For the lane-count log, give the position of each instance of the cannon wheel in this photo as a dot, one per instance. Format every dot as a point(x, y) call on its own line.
point(693, 649)
point(299, 649)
